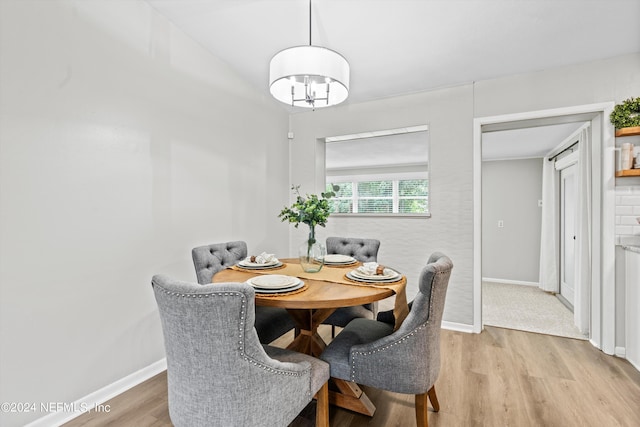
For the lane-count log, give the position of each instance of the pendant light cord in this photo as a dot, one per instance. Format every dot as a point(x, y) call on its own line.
point(309, 22)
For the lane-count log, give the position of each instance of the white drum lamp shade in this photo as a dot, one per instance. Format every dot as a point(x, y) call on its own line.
point(309, 76)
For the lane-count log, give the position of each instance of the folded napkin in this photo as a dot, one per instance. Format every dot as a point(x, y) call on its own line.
point(374, 269)
point(263, 258)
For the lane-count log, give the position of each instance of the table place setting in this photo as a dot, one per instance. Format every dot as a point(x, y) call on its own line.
point(372, 272)
point(263, 261)
point(337, 260)
point(388, 279)
point(276, 284)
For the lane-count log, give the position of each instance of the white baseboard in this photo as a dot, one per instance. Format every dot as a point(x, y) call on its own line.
point(510, 282)
point(459, 327)
point(95, 400)
point(620, 352)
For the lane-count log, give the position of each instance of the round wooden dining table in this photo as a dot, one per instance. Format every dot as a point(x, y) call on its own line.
point(312, 306)
point(309, 308)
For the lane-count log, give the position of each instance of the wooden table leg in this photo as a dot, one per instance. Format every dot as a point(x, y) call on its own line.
point(350, 396)
point(309, 341)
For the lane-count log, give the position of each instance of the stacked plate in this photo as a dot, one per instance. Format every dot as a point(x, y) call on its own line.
point(259, 266)
point(387, 276)
point(337, 259)
point(275, 283)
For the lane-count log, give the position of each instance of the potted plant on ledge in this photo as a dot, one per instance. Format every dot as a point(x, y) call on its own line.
point(311, 210)
point(625, 117)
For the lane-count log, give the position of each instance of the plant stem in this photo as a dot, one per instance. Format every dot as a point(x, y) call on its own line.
point(311, 241)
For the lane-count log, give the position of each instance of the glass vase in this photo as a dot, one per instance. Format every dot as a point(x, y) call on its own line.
point(312, 253)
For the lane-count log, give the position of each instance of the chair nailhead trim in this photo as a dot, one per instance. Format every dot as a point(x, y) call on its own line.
point(242, 328)
point(272, 370)
point(401, 340)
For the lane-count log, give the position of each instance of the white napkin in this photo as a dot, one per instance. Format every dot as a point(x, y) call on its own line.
point(370, 268)
point(263, 258)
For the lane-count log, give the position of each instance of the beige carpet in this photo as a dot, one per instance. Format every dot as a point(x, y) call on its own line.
point(526, 308)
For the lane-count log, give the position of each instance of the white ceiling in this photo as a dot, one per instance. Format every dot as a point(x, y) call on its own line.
point(403, 46)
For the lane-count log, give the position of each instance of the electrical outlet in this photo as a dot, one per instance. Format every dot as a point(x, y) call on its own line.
point(500, 223)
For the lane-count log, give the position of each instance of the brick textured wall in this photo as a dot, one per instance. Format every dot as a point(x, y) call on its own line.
point(628, 210)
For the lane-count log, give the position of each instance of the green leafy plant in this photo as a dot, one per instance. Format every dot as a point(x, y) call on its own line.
point(309, 209)
point(626, 114)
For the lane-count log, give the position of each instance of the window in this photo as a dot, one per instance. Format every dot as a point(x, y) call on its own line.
point(380, 173)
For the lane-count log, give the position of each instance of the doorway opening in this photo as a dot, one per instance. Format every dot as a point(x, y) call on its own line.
point(601, 298)
point(512, 228)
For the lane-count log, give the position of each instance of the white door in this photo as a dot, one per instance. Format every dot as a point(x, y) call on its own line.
point(568, 201)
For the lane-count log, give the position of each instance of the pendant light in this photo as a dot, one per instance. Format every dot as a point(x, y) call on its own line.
point(309, 76)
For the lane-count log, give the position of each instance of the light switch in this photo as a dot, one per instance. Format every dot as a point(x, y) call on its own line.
point(500, 223)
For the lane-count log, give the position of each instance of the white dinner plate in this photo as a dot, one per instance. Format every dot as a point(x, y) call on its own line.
point(255, 266)
point(250, 264)
point(371, 279)
point(279, 291)
point(273, 281)
point(388, 274)
point(339, 259)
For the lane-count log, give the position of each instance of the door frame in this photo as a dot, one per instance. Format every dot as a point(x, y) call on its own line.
point(602, 318)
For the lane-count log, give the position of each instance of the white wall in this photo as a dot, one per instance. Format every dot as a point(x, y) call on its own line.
point(510, 193)
point(406, 243)
point(123, 144)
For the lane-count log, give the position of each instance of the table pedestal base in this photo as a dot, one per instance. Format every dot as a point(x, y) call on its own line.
point(308, 340)
point(350, 396)
point(346, 394)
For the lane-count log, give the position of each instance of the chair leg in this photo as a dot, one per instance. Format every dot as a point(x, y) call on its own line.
point(333, 331)
point(421, 410)
point(322, 406)
point(433, 398)
point(421, 406)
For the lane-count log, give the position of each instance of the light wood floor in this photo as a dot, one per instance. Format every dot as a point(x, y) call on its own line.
point(500, 377)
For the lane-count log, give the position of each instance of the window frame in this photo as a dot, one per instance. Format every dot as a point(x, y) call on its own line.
point(383, 174)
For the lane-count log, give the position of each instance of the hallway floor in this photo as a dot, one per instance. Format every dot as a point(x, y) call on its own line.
point(526, 308)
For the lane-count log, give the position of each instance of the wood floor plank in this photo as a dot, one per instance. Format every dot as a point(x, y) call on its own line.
point(500, 377)
point(539, 407)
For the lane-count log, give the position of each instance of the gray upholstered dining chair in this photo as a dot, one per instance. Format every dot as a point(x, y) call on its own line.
point(271, 322)
point(218, 373)
point(364, 250)
point(407, 360)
